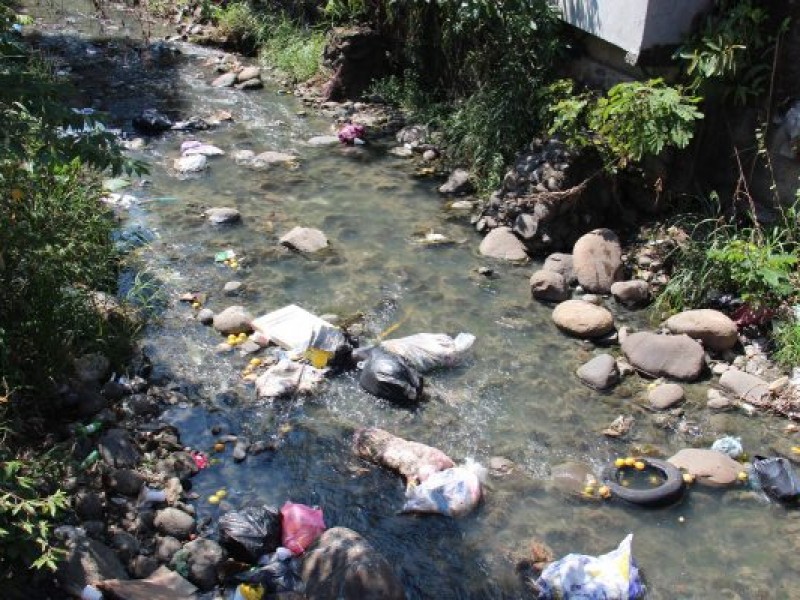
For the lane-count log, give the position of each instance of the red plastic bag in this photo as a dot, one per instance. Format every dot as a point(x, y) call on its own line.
point(301, 525)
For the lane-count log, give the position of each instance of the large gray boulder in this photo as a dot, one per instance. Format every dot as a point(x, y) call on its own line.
point(583, 319)
point(558, 262)
point(599, 373)
point(549, 286)
point(744, 385)
point(342, 565)
point(305, 239)
point(503, 244)
point(714, 329)
point(597, 260)
point(674, 356)
point(234, 319)
point(87, 561)
point(174, 522)
point(635, 292)
point(710, 467)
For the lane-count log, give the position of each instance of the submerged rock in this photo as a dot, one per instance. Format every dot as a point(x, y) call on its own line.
point(561, 263)
point(248, 73)
point(223, 215)
point(190, 164)
point(305, 239)
point(745, 386)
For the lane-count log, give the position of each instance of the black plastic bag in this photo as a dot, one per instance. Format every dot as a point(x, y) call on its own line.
point(280, 573)
point(777, 478)
point(388, 376)
point(251, 532)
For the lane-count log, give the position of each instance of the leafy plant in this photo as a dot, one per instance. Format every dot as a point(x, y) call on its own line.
point(28, 509)
point(294, 50)
point(241, 24)
point(633, 120)
point(732, 50)
point(786, 335)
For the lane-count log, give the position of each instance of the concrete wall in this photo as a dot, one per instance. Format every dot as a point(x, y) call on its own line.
point(634, 25)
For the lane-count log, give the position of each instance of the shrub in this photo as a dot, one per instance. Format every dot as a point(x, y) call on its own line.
point(633, 120)
point(786, 335)
point(294, 50)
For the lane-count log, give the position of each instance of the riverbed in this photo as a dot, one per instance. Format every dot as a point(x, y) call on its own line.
point(516, 397)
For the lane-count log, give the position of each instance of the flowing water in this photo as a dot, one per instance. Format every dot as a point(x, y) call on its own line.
point(517, 396)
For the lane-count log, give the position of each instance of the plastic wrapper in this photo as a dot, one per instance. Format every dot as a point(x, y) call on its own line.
point(388, 376)
point(612, 576)
point(301, 526)
point(777, 478)
point(453, 492)
point(288, 378)
point(251, 532)
point(428, 351)
point(276, 573)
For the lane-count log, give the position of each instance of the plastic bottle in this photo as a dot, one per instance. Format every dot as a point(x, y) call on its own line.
point(92, 458)
point(90, 429)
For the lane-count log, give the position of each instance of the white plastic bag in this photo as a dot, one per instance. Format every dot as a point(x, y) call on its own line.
point(288, 378)
point(453, 492)
point(428, 351)
point(612, 576)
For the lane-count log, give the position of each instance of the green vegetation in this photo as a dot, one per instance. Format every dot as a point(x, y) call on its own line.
point(55, 250)
point(631, 121)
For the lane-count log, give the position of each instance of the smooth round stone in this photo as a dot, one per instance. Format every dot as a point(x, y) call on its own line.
point(666, 396)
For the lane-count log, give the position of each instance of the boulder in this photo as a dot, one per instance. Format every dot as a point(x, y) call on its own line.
point(117, 449)
point(161, 584)
point(745, 386)
point(710, 467)
point(549, 286)
point(342, 565)
point(635, 292)
point(412, 460)
point(248, 73)
point(193, 163)
point(558, 262)
point(174, 522)
point(271, 157)
point(674, 356)
point(203, 558)
point(223, 215)
point(224, 80)
point(152, 122)
point(714, 329)
point(583, 319)
point(86, 562)
point(665, 396)
point(526, 226)
point(305, 239)
point(599, 373)
point(166, 547)
point(233, 320)
point(597, 260)
point(458, 184)
point(503, 244)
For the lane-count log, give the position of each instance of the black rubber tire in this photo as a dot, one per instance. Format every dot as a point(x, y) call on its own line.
point(669, 492)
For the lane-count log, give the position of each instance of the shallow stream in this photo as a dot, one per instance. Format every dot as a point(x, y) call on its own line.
point(517, 397)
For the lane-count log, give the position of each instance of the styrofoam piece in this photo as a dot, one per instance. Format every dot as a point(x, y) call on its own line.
point(290, 327)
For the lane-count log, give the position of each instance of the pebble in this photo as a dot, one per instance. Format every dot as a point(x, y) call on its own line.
point(232, 288)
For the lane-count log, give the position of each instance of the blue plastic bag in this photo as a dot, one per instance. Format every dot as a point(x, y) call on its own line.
point(612, 576)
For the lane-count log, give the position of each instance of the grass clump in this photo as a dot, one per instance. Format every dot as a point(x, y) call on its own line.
point(294, 50)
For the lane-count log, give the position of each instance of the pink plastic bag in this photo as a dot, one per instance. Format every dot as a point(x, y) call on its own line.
point(301, 525)
point(349, 133)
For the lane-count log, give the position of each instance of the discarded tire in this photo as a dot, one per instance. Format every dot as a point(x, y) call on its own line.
point(669, 492)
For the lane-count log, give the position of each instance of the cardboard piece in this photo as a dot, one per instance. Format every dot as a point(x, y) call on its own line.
point(294, 328)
